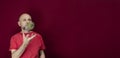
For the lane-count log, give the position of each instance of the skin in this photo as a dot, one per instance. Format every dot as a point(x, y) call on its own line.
point(23, 20)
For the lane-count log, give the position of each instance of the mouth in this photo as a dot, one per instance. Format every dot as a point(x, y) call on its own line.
point(29, 26)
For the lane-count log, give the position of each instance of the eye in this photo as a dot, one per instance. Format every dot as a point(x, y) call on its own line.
point(24, 19)
point(30, 19)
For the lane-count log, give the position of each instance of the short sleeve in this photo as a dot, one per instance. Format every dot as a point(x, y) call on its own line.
point(13, 44)
point(42, 45)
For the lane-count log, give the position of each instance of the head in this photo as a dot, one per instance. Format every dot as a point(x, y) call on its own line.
point(24, 21)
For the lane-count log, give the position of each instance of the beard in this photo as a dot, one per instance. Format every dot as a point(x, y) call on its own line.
point(28, 26)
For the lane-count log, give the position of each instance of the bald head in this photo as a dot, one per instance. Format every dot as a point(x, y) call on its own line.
point(24, 16)
point(24, 20)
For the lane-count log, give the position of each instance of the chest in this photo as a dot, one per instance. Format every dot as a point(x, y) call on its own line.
point(34, 43)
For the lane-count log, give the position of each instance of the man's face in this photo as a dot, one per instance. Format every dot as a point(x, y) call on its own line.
point(24, 20)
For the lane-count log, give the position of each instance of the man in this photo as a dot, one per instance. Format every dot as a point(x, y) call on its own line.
point(27, 43)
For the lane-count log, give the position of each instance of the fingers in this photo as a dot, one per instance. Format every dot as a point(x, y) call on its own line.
point(27, 36)
point(23, 35)
point(33, 35)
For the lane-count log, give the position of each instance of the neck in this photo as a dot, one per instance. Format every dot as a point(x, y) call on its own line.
point(25, 31)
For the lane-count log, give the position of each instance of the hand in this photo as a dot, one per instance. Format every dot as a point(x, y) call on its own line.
point(27, 39)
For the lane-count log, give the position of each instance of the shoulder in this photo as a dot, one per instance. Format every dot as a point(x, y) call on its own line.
point(38, 34)
point(16, 35)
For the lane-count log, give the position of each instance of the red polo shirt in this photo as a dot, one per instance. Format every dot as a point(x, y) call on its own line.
point(33, 48)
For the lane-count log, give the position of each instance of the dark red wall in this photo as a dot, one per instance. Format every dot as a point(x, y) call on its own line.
point(70, 28)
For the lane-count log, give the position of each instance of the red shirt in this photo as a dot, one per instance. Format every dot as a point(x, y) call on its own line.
point(33, 48)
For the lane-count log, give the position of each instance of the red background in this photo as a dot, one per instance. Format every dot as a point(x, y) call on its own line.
point(70, 28)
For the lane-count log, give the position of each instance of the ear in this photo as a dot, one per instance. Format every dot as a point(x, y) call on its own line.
point(19, 23)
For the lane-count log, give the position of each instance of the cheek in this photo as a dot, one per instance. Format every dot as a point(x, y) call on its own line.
point(23, 24)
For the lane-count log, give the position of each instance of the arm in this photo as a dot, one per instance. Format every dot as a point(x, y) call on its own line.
point(17, 53)
point(42, 54)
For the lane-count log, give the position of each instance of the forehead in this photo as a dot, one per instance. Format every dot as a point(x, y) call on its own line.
point(24, 16)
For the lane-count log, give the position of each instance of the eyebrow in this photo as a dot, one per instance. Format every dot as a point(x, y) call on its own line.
point(30, 18)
